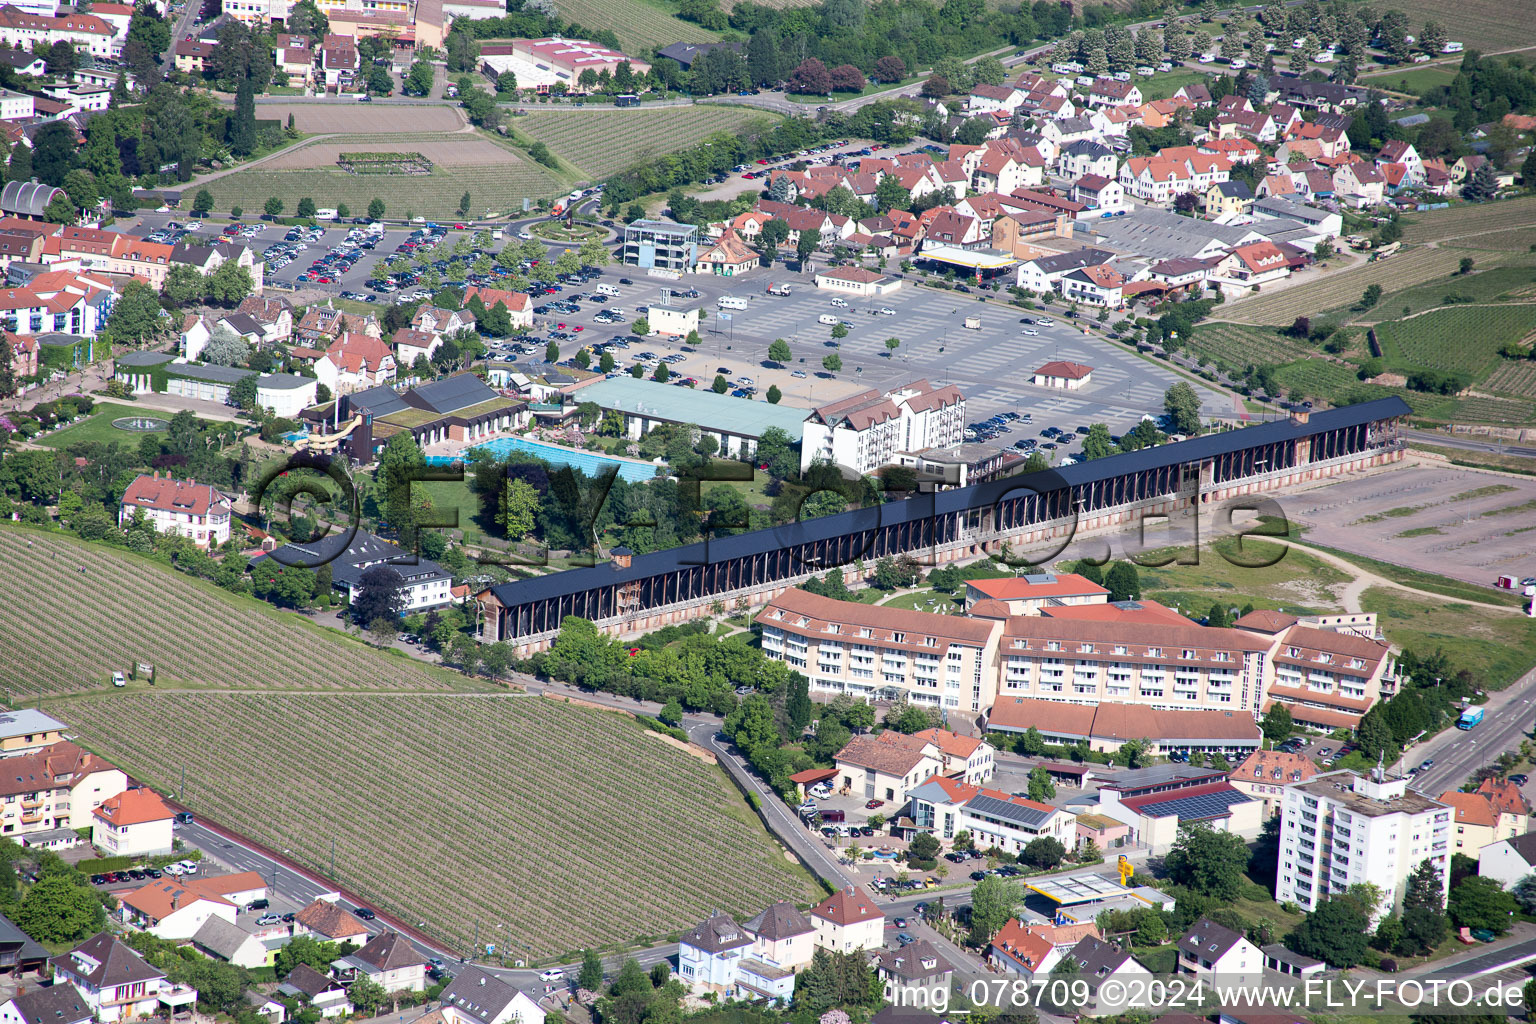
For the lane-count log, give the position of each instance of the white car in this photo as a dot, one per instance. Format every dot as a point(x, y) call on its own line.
point(1046, 322)
point(839, 303)
point(553, 974)
point(886, 311)
point(118, 679)
point(798, 374)
point(188, 867)
point(1165, 66)
point(1239, 63)
point(1031, 334)
point(525, 236)
point(1146, 72)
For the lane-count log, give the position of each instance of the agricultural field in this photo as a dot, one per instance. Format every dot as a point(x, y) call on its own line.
point(639, 24)
point(1513, 378)
point(604, 142)
point(1488, 282)
point(1485, 25)
point(1463, 339)
point(64, 630)
point(1508, 240)
point(555, 827)
point(1235, 346)
point(363, 118)
point(1334, 292)
point(1465, 219)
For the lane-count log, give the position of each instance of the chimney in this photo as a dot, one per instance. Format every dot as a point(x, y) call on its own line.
point(1300, 416)
point(622, 557)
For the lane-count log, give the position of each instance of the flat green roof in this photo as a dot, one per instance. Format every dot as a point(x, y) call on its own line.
point(411, 417)
point(489, 405)
point(740, 416)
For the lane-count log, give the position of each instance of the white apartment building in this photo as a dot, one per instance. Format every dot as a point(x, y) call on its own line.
point(1145, 654)
point(15, 105)
point(27, 31)
point(1327, 677)
point(195, 511)
point(992, 817)
point(865, 431)
point(931, 660)
point(1340, 829)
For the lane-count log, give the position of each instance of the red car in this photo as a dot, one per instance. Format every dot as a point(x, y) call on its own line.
point(762, 161)
point(579, 328)
point(458, 227)
point(872, 804)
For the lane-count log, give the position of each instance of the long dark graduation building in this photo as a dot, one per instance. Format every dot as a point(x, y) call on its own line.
point(641, 592)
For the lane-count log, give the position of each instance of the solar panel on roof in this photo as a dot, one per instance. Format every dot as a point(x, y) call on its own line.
point(1006, 810)
point(1204, 805)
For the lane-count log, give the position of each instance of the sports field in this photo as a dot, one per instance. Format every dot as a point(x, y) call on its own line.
point(73, 613)
point(497, 177)
point(603, 142)
point(536, 826)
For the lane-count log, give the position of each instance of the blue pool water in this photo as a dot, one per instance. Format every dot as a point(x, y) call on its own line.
point(587, 462)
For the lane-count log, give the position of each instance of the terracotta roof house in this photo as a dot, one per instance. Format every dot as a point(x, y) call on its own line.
point(1060, 373)
point(847, 921)
point(388, 959)
point(728, 256)
point(331, 923)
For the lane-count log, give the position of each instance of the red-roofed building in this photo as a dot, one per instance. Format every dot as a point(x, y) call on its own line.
point(1251, 265)
point(135, 823)
point(946, 807)
point(1030, 594)
point(1155, 819)
point(1060, 373)
point(193, 510)
point(354, 362)
point(517, 304)
point(848, 921)
point(21, 30)
point(1035, 949)
point(1481, 821)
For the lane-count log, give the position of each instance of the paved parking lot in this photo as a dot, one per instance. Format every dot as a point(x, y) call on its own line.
point(992, 365)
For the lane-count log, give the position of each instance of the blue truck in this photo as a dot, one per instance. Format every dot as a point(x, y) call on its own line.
point(1469, 718)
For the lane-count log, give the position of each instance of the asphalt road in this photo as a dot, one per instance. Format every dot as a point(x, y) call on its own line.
point(1471, 444)
point(1508, 719)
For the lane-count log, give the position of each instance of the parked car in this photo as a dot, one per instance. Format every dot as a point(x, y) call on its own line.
point(261, 904)
point(870, 805)
point(553, 974)
point(270, 919)
point(364, 913)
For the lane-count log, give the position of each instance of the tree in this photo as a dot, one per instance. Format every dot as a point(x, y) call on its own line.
point(1231, 46)
point(136, 314)
point(1097, 444)
point(640, 326)
point(1335, 932)
point(1370, 296)
point(1276, 723)
point(1041, 788)
point(366, 995)
point(375, 208)
point(1424, 920)
point(1481, 902)
point(923, 851)
point(591, 974)
point(378, 596)
point(661, 373)
point(807, 244)
point(779, 351)
point(225, 347)
point(890, 69)
point(53, 153)
point(57, 909)
point(773, 394)
point(464, 203)
point(992, 903)
point(61, 59)
point(1480, 187)
point(1183, 408)
point(1209, 862)
point(60, 209)
point(1123, 581)
point(242, 123)
point(839, 331)
point(203, 204)
point(273, 207)
point(832, 363)
point(811, 77)
point(1045, 852)
point(306, 207)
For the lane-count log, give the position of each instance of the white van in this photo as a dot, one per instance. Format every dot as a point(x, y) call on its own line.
point(731, 302)
point(826, 319)
point(607, 289)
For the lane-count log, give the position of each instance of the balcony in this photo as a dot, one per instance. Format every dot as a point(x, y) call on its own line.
point(29, 803)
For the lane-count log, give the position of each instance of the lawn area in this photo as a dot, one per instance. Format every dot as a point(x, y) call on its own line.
point(1165, 83)
point(1419, 580)
point(1294, 577)
point(928, 601)
point(568, 827)
point(125, 608)
point(98, 427)
point(1415, 81)
point(451, 498)
point(604, 142)
point(1496, 649)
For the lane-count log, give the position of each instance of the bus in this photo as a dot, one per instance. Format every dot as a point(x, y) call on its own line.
point(628, 99)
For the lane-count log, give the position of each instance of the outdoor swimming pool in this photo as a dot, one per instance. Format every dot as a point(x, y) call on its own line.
point(589, 463)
